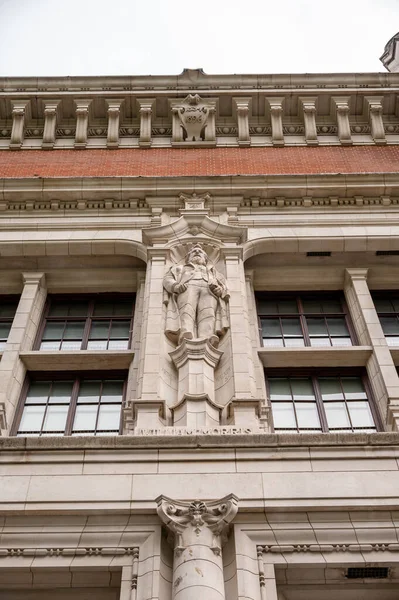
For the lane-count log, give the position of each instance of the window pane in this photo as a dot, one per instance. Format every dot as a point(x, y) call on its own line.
point(74, 330)
point(55, 418)
point(4, 331)
point(287, 306)
point(271, 328)
point(317, 327)
point(339, 341)
point(123, 308)
point(383, 305)
point(38, 392)
point(320, 341)
point(2, 345)
point(337, 327)
point(283, 415)
point(109, 417)
point(307, 415)
point(279, 389)
point(395, 302)
point(53, 330)
point(99, 330)
point(59, 308)
point(97, 344)
point(103, 308)
point(61, 392)
point(393, 341)
point(120, 330)
point(118, 344)
point(331, 306)
point(360, 414)
point(32, 418)
point(89, 391)
point(336, 414)
point(85, 417)
point(110, 308)
point(311, 305)
point(71, 345)
point(302, 389)
point(353, 388)
point(78, 308)
point(390, 325)
point(55, 345)
point(8, 309)
point(112, 391)
point(330, 388)
point(291, 327)
point(293, 342)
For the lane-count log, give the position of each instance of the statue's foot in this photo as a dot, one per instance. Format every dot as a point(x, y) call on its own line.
point(214, 341)
point(185, 335)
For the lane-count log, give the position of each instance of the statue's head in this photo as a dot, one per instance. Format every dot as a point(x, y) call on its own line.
point(197, 256)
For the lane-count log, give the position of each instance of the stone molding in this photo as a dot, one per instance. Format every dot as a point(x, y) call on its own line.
point(70, 551)
point(325, 548)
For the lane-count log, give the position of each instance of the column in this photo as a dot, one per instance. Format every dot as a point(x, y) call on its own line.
point(114, 107)
point(21, 337)
point(242, 107)
point(19, 108)
point(381, 370)
point(199, 529)
point(309, 119)
point(341, 107)
point(82, 123)
point(145, 110)
point(374, 105)
point(50, 123)
point(276, 119)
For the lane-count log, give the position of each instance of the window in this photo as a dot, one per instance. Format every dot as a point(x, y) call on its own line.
point(8, 308)
point(306, 320)
point(327, 403)
point(87, 323)
point(387, 307)
point(86, 405)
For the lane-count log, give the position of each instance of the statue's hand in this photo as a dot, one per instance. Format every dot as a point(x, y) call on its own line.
point(216, 289)
point(179, 288)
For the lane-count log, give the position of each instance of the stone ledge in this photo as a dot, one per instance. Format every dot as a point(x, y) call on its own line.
point(348, 356)
point(81, 360)
point(262, 440)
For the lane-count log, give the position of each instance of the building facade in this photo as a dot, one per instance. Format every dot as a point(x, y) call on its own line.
point(199, 334)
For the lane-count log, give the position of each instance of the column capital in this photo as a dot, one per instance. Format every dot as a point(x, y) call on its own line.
point(355, 275)
point(34, 278)
point(214, 515)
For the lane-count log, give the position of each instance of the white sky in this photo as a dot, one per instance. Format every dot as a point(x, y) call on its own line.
point(130, 37)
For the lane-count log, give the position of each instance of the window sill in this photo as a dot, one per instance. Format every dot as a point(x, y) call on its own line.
point(348, 356)
point(82, 360)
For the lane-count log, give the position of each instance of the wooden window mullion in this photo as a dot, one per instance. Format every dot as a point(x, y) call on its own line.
point(320, 404)
point(72, 407)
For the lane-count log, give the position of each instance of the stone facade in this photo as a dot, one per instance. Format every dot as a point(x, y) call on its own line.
point(253, 222)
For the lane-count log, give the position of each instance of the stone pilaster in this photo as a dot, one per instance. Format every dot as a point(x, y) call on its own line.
point(114, 110)
point(19, 108)
point(82, 123)
point(199, 530)
point(374, 107)
point(267, 577)
point(276, 119)
point(50, 123)
point(381, 370)
point(21, 337)
point(341, 107)
point(309, 110)
point(242, 108)
point(145, 111)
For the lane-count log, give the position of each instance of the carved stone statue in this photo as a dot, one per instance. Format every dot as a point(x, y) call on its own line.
point(196, 300)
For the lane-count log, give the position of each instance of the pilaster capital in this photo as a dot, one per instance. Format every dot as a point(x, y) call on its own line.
point(232, 254)
point(19, 107)
point(215, 515)
point(374, 104)
point(145, 105)
point(50, 107)
point(355, 275)
point(82, 107)
point(34, 278)
point(308, 104)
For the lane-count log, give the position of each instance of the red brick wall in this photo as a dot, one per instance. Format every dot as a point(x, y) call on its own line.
point(173, 162)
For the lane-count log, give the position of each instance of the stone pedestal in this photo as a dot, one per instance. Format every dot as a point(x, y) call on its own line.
point(199, 530)
point(196, 361)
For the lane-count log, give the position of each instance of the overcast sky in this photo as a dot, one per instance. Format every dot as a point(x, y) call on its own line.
point(129, 37)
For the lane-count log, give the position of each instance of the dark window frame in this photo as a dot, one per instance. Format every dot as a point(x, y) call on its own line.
point(301, 315)
point(87, 320)
point(9, 298)
point(76, 378)
point(313, 374)
point(386, 295)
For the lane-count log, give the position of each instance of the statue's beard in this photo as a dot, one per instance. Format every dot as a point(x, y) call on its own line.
point(198, 260)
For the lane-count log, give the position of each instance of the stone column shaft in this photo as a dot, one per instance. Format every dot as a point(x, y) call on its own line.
point(381, 370)
point(114, 107)
point(210, 129)
point(19, 108)
point(21, 337)
point(199, 530)
point(309, 120)
point(145, 110)
point(242, 107)
point(341, 106)
point(375, 116)
point(82, 122)
point(50, 124)
point(276, 119)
